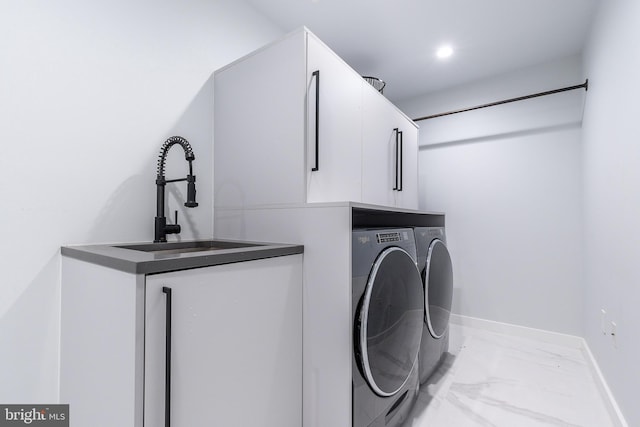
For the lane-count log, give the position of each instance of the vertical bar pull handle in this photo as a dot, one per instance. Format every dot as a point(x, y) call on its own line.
point(395, 186)
point(167, 367)
point(316, 74)
point(401, 165)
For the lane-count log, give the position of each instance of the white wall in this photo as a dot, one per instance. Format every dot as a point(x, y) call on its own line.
point(88, 93)
point(612, 198)
point(509, 181)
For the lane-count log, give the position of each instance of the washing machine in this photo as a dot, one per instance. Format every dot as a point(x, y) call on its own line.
point(387, 315)
point(434, 263)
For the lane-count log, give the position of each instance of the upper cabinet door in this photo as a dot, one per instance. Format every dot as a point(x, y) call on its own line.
point(334, 126)
point(379, 122)
point(407, 196)
point(389, 154)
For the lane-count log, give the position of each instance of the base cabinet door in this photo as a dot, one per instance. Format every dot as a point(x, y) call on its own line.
point(235, 345)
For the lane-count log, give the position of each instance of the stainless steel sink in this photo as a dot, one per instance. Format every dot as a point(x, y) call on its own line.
point(186, 247)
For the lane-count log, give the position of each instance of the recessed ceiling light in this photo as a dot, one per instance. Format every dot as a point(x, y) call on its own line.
point(444, 52)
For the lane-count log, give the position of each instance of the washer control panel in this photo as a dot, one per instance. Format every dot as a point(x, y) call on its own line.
point(389, 237)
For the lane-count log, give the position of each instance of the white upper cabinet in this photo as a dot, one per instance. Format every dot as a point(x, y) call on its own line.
point(295, 124)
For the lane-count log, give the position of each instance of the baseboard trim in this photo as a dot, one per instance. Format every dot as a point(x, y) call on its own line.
point(552, 338)
point(603, 387)
point(519, 331)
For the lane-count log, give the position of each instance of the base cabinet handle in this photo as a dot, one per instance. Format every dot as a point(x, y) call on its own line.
point(167, 367)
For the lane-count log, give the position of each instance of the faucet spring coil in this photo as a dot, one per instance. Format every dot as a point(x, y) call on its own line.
point(188, 151)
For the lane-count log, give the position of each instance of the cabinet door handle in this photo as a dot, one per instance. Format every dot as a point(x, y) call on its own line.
point(167, 366)
point(316, 74)
point(397, 131)
point(401, 165)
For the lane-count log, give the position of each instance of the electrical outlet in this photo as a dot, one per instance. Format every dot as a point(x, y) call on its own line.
point(614, 333)
point(603, 317)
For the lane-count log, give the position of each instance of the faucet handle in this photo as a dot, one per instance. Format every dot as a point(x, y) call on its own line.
point(172, 228)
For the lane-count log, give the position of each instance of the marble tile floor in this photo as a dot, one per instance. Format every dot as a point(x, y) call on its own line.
point(495, 380)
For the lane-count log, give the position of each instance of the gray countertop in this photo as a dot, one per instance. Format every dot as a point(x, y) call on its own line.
point(150, 258)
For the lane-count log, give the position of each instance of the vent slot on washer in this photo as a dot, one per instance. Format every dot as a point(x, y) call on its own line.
point(394, 407)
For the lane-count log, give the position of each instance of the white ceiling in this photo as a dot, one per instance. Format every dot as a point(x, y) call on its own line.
point(396, 40)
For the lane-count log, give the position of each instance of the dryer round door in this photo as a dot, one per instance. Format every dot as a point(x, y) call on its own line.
point(389, 322)
point(438, 288)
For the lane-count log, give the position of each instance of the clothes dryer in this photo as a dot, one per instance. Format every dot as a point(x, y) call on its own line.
point(434, 263)
point(387, 315)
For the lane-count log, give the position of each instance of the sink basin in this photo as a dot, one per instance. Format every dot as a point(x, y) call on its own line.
point(186, 247)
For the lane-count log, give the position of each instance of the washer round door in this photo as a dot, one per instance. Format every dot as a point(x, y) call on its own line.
point(389, 324)
point(438, 285)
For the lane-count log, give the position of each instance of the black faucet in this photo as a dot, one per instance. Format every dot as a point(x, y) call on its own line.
point(161, 226)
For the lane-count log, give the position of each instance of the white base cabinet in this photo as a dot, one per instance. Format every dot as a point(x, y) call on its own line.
point(236, 345)
point(234, 362)
point(293, 123)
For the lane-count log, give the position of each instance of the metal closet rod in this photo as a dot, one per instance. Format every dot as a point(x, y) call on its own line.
point(584, 86)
